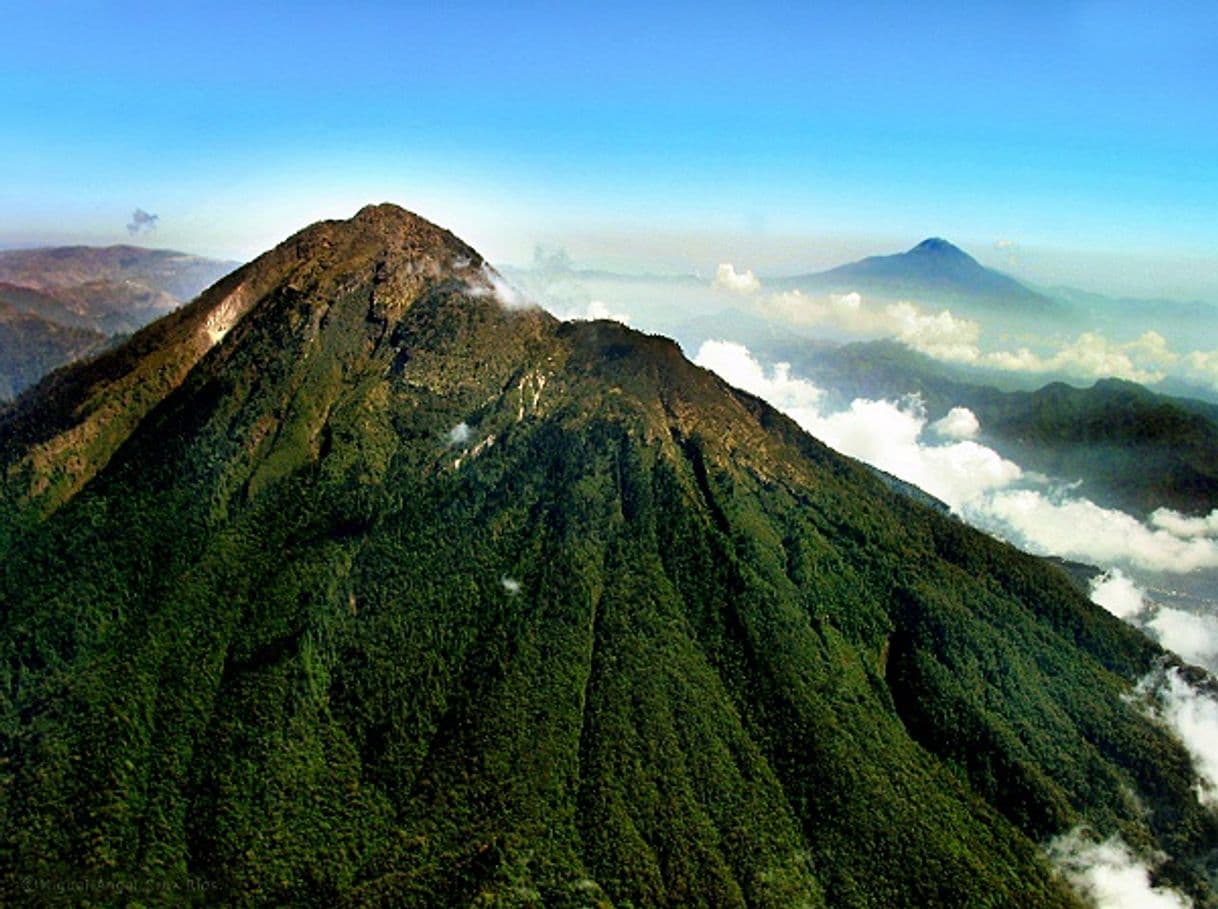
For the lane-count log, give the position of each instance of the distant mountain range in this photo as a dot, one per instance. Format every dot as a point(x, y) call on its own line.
point(31, 346)
point(60, 303)
point(1135, 450)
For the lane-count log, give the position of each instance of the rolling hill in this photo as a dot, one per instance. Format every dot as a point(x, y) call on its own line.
point(31, 346)
point(61, 270)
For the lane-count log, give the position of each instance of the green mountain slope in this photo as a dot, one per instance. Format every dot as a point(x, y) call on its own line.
point(392, 595)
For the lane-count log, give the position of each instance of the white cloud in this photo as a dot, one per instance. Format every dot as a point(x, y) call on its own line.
point(511, 585)
point(727, 278)
point(596, 309)
point(1080, 529)
point(1092, 356)
point(960, 423)
point(846, 303)
point(797, 398)
point(459, 434)
point(878, 432)
point(1110, 875)
point(888, 436)
point(1193, 636)
point(1146, 359)
point(1117, 592)
point(951, 338)
point(1009, 249)
point(1192, 715)
point(1201, 366)
point(1184, 526)
point(940, 335)
point(489, 282)
point(885, 434)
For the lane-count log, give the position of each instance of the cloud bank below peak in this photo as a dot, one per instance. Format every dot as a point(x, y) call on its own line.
point(950, 337)
point(986, 489)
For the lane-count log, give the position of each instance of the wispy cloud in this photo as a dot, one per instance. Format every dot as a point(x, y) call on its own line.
point(1109, 874)
point(1145, 359)
point(1192, 714)
point(142, 222)
point(488, 282)
point(1183, 526)
point(1009, 250)
point(593, 311)
point(1192, 636)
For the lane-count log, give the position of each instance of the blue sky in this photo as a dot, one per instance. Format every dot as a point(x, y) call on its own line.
point(789, 135)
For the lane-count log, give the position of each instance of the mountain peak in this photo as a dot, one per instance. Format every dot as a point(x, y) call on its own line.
point(324, 307)
point(390, 253)
point(388, 215)
point(937, 246)
point(934, 271)
point(392, 230)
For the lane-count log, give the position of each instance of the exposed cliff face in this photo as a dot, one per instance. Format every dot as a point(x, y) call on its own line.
point(349, 583)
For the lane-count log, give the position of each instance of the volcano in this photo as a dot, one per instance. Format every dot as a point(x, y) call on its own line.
point(934, 271)
point(361, 581)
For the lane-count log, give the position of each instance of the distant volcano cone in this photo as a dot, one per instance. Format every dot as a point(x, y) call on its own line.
point(935, 272)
